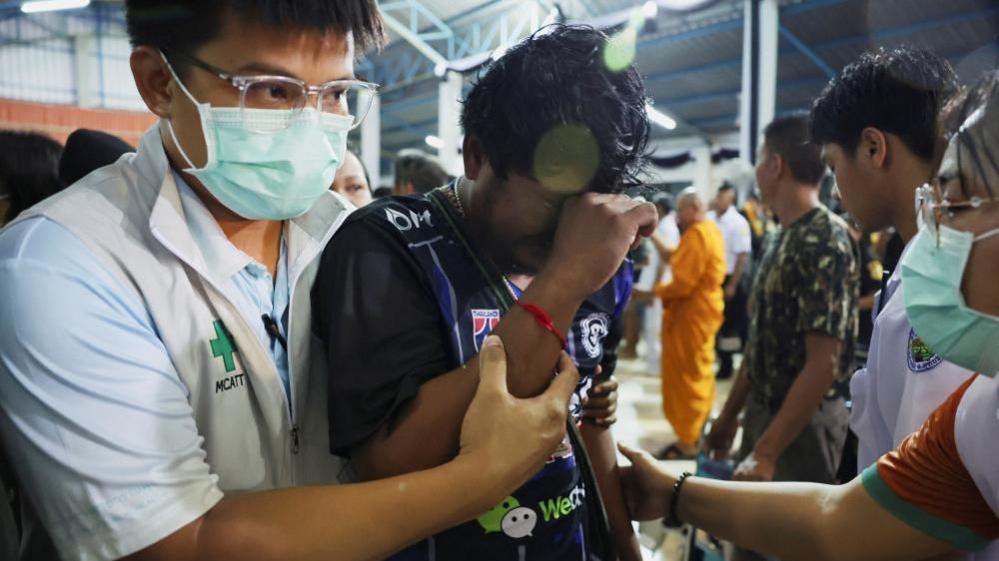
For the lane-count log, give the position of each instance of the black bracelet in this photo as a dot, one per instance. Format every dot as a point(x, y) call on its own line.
point(673, 520)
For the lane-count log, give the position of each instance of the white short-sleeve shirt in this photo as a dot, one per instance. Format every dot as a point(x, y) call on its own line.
point(902, 382)
point(737, 235)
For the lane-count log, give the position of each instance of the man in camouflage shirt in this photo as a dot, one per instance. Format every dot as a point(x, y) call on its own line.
point(804, 321)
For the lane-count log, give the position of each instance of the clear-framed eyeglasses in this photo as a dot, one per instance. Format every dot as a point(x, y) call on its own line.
point(349, 98)
point(931, 206)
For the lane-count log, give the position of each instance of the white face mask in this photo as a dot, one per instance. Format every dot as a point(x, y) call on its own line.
point(933, 270)
point(267, 164)
point(931, 275)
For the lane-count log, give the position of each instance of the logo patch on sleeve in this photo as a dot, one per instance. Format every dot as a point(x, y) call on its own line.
point(483, 322)
point(595, 329)
point(920, 357)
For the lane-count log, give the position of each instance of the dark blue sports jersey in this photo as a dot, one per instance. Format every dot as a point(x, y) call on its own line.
point(441, 305)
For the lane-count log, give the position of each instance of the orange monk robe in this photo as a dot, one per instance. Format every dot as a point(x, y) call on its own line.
point(693, 311)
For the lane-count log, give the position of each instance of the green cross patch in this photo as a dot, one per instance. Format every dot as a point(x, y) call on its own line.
point(222, 346)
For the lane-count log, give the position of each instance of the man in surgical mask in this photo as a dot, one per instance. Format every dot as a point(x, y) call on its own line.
point(935, 494)
point(156, 396)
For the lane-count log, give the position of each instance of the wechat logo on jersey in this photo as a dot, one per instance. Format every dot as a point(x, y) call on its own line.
point(920, 357)
point(510, 518)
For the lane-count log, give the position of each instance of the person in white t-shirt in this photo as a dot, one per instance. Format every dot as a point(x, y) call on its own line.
point(738, 251)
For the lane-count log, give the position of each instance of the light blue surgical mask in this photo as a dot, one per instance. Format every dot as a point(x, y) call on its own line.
point(931, 280)
point(267, 164)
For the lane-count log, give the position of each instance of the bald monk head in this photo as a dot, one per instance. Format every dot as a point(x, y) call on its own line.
point(690, 208)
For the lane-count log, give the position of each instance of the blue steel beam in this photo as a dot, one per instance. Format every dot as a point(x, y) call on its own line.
point(798, 8)
point(881, 34)
point(705, 31)
point(403, 125)
point(698, 98)
point(787, 10)
point(809, 6)
point(682, 72)
point(807, 51)
point(404, 17)
point(721, 27)
point(410, 103)
point(477, 10)
point(506, 28)
point(588, 4)
point(709, 121)
point(731, 119)
point(418, 129)
point(911, 28)
point(714, 121)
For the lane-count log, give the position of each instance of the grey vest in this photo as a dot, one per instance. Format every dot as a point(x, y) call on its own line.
point(130, 216)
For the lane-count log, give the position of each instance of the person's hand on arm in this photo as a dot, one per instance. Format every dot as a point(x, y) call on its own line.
point(100, 429)
point(813, 522)
point(504, 441)
point(594, 235)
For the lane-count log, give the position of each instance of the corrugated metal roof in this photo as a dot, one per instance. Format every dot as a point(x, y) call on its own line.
point(693, 61)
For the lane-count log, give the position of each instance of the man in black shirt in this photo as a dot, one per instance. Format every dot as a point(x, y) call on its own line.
point(529, 244)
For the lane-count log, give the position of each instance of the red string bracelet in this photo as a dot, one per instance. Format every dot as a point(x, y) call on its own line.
point(544, 320)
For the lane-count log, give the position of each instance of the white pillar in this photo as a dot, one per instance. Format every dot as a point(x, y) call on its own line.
point(702, 171)
point(760, 34)
point(449, 123)
point(86, 83)
point(371, 144)
point(769, 39)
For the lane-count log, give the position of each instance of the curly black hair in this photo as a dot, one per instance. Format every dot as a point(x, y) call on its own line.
point(185, 25)
point(899, 91)
point(556, 77)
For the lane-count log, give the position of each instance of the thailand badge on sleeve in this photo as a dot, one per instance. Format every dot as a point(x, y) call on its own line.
point(483, 322)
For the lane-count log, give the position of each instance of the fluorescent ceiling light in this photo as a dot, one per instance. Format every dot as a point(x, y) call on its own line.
point(684, 5)
point(52, 5)
point(650, 9)
point(660, 118)
point(434, 141)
